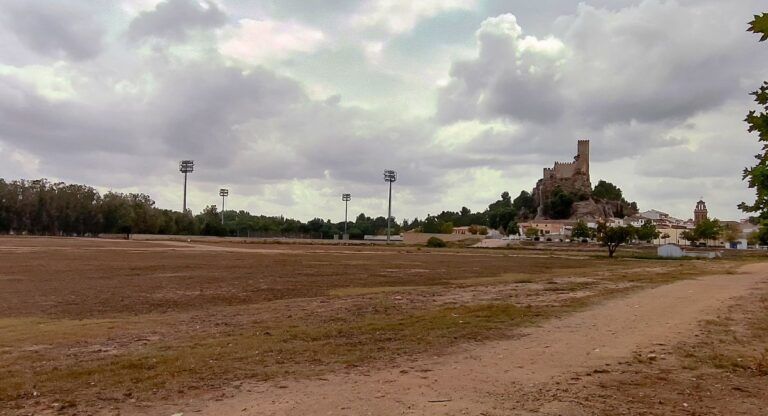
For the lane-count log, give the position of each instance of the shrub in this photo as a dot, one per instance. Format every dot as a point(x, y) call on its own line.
point(435, 242)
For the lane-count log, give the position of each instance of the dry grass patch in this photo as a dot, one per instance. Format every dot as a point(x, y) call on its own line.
point(166, 322)
point(732, 344)
point(291, 349)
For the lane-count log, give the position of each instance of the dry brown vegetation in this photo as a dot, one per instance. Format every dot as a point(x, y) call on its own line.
point(721, 370)
point(87, 324)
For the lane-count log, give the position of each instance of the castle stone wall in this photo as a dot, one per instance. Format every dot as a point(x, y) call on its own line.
point(571, 177)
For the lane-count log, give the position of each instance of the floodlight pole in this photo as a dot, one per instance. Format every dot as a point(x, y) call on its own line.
point(389, 176)
point(223, 193)
point(346, 198)
point(186, 167)
point(185, 193)
point(389, 213)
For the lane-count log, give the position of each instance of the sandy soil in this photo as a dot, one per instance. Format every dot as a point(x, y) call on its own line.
point(503, 377)
point(128, 327)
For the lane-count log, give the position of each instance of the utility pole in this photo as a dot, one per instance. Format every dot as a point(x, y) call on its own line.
point(389, 176)
point(346, 198)
point(223, 193)
point(186, 167)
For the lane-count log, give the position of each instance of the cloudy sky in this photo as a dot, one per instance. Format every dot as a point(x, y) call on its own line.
point(289, 103)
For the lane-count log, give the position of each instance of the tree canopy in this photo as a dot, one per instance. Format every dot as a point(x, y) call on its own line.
point(757, 120)
point(613, 237)
point(607, 191)
point(647, 232)
point(524, 205)
point(560, 204)
point(40, 207)
point(581, 230)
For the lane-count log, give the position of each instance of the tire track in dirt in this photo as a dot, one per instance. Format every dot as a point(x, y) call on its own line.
point(470, 381)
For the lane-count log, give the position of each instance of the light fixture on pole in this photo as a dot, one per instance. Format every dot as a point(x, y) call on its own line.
point(186, 167)
point(223, 193)
point(389, 176)
point(346, 198)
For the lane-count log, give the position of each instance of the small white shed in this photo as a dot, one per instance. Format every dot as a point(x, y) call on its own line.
point(670, 251)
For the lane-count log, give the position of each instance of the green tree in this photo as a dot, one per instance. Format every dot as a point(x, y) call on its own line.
point(690, 236)
point(731, 233)
point(531, 232)
point(210, 222)
point(513, 228)
point(581, 230)
point(524, 205)
point(647, 232)
point(613, 237)
point(708, 230)
point(607, 191)
point(560, 204)
point(501, 212)
point(757, 175)
point(436, 242)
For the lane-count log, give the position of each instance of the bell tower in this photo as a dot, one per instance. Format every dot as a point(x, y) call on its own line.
point(700, 213)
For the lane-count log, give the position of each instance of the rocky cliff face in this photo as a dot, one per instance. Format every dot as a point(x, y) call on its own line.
point(578, 185)
point(588, 209)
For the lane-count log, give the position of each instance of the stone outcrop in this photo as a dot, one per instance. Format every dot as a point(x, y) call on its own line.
point(589, 209)
point(573, 179)
point(595, 210)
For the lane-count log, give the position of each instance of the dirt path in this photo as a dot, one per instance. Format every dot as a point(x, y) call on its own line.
point(474, 380)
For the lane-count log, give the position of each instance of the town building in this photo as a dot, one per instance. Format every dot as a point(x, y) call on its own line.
point(549, 228)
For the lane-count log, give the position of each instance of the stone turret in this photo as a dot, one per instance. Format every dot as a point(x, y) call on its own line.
point(582, 157)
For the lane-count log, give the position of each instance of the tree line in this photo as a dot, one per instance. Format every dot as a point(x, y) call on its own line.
point(502, 215)
point(41, 207)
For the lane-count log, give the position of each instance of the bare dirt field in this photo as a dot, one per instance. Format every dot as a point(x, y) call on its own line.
point(123, 327)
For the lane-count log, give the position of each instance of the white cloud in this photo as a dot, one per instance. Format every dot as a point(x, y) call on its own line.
point(51, 81)
point(399, 16)
point(512, 76)
point(257, 41)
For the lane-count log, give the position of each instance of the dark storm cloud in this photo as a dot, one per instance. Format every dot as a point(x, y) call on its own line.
point(199, 109)
point(68, 30)
point(254, 126)
point(655, 62)
point(173, 19)
point(48, 128)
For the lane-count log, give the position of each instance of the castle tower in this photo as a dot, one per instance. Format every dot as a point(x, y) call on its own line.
point(582, 157)
point(700, 213)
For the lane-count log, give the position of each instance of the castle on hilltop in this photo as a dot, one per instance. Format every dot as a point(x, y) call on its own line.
point(571, 177)
point(568, 170)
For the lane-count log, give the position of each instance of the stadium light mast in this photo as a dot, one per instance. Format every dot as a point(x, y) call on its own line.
point(186, 167)
point(346, 198)
point(223, 193)
point(389, 176)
